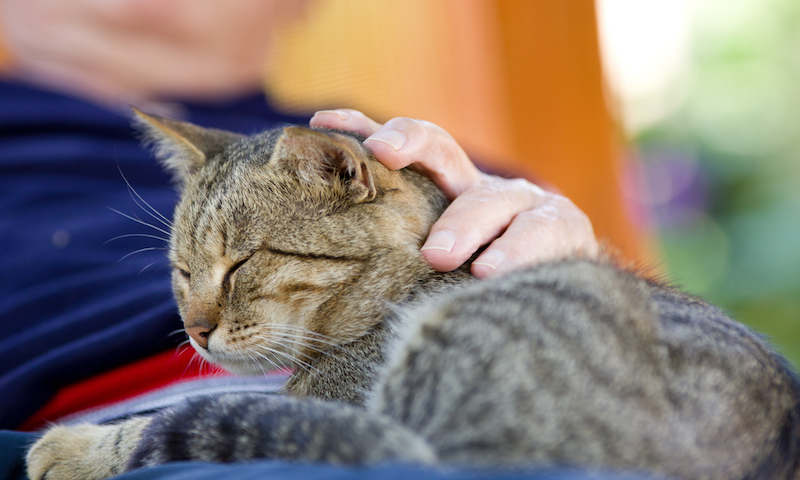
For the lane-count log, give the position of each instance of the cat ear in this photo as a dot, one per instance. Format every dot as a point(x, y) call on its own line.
point(322, 157)
point(183, 148)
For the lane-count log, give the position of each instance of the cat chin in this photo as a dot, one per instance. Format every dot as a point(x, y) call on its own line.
point(244, 367)
point(256, 372)
point(238, 364)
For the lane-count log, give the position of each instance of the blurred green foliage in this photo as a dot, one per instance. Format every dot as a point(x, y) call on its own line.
point(737, 243)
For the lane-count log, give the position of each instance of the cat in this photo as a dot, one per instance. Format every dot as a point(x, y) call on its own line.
point(297, 247)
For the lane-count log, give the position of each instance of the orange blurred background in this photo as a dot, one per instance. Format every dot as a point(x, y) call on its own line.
point(517, 82)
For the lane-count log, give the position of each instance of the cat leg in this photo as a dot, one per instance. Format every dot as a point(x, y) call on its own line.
point(84, 452)
point(236, 427)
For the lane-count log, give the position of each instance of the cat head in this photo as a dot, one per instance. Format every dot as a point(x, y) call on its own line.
point(288, 241)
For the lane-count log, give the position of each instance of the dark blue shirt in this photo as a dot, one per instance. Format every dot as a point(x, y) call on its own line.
point(84, 283)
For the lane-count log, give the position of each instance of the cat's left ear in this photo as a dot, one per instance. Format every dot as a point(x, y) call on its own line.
point(327, 157)
point(183, 148)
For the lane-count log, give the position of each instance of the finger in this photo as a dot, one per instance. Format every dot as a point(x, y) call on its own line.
point(553, 230)
point(345, 119)
point(477, 217)
point(427, 148)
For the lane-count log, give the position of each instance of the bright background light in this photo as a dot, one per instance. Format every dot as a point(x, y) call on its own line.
point(708, 95)
point(645, 47)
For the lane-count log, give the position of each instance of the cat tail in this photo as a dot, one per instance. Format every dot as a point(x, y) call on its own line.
point(234, 427)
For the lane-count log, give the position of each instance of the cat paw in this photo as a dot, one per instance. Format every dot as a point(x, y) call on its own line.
point(83, 452)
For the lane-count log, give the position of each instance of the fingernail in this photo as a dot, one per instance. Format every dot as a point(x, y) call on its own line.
point(393, 138)
point(342, 114)
point(490, 258)
point(441, 240)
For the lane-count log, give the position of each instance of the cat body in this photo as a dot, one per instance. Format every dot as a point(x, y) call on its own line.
point(296, 247)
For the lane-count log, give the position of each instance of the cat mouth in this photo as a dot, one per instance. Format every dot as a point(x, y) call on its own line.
point(250, 363)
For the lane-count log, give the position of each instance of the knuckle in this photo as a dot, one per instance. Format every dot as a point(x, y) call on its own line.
point(562, 202)
point(524, 185)
point(536, 217)
point(430, 126)
point(492, 193)
point(353, 112)
point(545, 215)
point(402, 123)
point(518, 191)
point(414, 131)
point(569, 211)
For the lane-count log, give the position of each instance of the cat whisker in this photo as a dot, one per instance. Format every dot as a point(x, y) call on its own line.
point(276, 364)
point(293, 360)
point(250, 351)
point(279, 340)
point(264, 371)
point(146, 267)
point(298, 328)
point(179, 351)
point(205, 368)
point(299, 335)
point(176, 332)
point(284, 355)
point(195, 358)
point(325, 349)
point(147, 249)
point(199, 360)
point(210, 368)
point(150, 210)
point(139, 221)
point(304, 356)
point(298, 340)
point(162, 266)
point(324, 339)
point(165, 240)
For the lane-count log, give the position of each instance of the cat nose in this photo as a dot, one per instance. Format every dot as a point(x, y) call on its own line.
point(200, 332)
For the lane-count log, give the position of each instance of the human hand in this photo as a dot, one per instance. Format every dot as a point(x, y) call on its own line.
point(128, 51)
point(521, 223)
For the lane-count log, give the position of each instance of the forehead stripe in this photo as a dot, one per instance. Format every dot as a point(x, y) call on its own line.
point(318, 256)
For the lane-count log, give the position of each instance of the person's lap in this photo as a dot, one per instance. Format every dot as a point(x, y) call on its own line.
point(75, 300)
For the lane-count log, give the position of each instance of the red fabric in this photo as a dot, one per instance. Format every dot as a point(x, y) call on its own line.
point(122, 383)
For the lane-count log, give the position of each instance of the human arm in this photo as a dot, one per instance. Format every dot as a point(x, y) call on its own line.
point(128, 51)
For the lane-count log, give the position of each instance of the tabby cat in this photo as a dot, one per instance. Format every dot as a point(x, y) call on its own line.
point(296, 247)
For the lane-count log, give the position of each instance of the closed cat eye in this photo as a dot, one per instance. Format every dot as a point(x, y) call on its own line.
point(184, 273)
point(226, 282)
